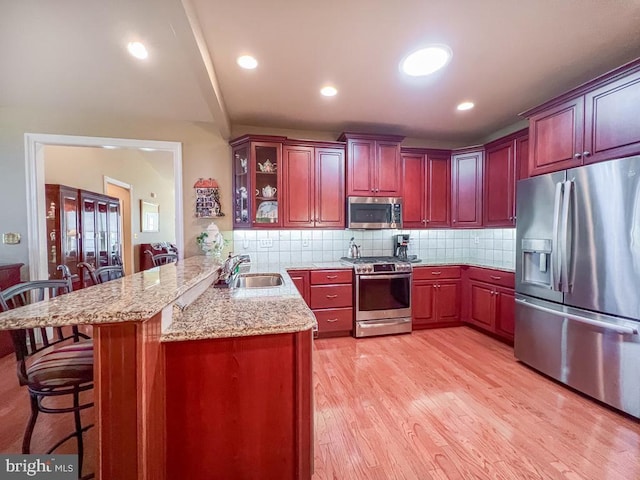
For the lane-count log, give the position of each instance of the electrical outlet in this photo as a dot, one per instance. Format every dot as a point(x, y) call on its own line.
point(305, 242)
point(266, 243)
point(476, 240)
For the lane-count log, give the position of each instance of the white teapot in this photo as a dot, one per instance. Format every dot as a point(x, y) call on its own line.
point(269, 191)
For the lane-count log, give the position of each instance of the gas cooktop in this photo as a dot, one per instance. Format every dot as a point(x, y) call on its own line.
point(378, 264)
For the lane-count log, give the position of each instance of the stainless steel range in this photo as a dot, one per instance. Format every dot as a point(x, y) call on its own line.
point(382, 296)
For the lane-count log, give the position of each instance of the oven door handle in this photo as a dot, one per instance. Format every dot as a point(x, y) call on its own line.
point(385, 323)
point(384, 277)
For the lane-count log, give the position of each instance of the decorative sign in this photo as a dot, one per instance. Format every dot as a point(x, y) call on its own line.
point(208, 199)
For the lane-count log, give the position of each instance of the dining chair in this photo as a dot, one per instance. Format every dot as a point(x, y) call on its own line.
point(101, 274)
point(51, 362)
point(162, 258)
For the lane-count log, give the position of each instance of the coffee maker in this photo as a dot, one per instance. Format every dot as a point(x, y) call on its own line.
point(401, 246)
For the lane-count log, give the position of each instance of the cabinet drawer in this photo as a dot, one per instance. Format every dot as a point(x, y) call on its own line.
point(435, 273)
point(495, 277)
point(334, 319)
point(325, 277)
point(331, 296)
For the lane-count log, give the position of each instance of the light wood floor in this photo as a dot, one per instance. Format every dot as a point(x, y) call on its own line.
point(454, 404)
point(448, 403)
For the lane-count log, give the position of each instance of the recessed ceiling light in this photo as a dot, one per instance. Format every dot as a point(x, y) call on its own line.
point(329, 91)
point(426, 60)
point(248, 62)
point(465, 106)
point(138, 50)
point(147, 149)
point(109, 147)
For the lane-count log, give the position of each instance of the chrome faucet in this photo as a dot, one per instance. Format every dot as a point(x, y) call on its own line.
point(231, 267)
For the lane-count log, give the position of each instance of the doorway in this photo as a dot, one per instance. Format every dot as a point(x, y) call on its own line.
point(122, 191)
point(36, 205)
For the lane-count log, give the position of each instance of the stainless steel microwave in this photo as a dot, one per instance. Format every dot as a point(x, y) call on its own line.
point(374, 212)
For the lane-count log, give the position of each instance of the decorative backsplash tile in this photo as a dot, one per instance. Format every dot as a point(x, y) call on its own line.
point(491, 247)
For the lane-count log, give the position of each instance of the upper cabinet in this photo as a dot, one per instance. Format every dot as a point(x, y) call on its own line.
point(313, 185)
point(374, 165)
point(466, 188)
point(503, 167)
point(257, 181)
point(594, 122)
point(426, 188)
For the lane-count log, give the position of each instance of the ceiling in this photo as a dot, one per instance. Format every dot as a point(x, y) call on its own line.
point(507, 57)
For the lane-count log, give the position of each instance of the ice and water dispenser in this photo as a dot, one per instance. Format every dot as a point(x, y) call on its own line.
point(536, 261)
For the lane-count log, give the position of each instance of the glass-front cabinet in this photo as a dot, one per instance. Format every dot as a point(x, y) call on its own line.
point(63, 219)
point(257, 181)
point(82, 226)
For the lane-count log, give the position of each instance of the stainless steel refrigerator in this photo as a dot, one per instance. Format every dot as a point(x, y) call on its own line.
point(578, 279)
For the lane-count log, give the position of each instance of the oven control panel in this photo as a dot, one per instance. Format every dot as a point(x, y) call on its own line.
point(368, 268)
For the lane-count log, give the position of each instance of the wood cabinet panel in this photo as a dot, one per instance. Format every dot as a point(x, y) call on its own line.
point(331, 296)
point(423, 304)
point(499, 185)
point(299, 183)
point(505, 312)
point(466, 188)
point(361, 167)
point(9, 275)
point(522, 157)
point(556, 136)
point(436, 272)
point(300, 279)
point(388, 171)
point(438, 191)
point(413, 191)
point(328, 277)
point(448, 295)
point(329, 188)
point(494, 277)
point(245, 390)
point(334, 319)
point(612, 129)
point(482, 310)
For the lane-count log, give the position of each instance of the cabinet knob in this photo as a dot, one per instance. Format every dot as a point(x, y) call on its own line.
point(424, 221)
point(373, 190)
point(586, 154)
point(428, 220)
point(577, 155)
point(454, 221)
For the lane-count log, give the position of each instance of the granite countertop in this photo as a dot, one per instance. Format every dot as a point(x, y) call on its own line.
point(241, 312)
point(132, 298)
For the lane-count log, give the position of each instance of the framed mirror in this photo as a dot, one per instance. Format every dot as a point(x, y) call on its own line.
point(149, 217)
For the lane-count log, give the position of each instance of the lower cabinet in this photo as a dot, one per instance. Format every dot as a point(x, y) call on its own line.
point(436, 295)
point(491, 301)
point(331, 299)
point(329, 294)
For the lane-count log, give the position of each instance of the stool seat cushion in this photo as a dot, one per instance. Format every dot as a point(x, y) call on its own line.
point(63, 367)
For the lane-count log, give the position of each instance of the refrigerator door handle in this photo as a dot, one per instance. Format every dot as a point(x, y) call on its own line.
point(555, 248)
point(621, 329)
point(564, 237)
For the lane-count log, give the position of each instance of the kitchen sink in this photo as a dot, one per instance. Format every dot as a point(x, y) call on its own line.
point(258, 280)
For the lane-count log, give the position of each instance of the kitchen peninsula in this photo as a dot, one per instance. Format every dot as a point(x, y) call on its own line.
point(143, 399)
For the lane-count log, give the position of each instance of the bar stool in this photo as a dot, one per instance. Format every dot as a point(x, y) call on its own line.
point(162, 258)
point(101, 274)
point(50, 362)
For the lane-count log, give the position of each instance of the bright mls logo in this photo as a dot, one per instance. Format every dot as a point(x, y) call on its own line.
point(36, 467)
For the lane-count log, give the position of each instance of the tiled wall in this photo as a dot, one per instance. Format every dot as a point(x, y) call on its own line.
point(491, 247)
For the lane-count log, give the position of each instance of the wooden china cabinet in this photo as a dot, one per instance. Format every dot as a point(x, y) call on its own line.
point(82, 226)
point(257, 183)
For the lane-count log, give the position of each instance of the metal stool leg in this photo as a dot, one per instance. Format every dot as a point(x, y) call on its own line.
point(26, 441)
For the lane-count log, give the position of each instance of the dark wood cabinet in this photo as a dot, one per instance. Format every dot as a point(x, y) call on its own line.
point(436, 295)
point(331, 300)
point(490, 301)
point(257, 181)
point(300, 279)
point(594, 122)
point(466, 188)
point(374, 165)
point(313, 186)
point(502, 169)
point(426, 188)
point(9, 275)
point(82, 226)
